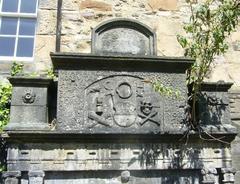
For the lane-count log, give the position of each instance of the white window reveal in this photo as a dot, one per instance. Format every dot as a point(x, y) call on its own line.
point(18, 20)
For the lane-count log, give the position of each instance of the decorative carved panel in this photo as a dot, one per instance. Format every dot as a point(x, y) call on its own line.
point(122, 101)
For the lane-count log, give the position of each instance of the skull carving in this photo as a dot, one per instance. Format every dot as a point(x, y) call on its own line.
point(146, 106)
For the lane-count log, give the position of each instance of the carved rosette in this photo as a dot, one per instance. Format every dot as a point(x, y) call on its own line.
point(29, 97)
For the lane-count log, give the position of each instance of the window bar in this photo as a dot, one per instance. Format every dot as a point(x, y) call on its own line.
point(0, 15)
point(17, 32)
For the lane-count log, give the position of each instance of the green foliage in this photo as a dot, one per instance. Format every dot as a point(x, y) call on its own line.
point(50, 73)
point(165, 90)
point(16, 69)
point(2, 168)
point(5, 95)
point(211, 22)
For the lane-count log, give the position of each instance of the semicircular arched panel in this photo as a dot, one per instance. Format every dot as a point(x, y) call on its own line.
point(123, 37)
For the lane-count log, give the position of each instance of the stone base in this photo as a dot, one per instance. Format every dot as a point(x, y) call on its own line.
point(27, 127)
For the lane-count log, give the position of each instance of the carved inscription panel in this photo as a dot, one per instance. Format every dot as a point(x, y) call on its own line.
point(122, 102)
point(123, 37)
point(123, 40)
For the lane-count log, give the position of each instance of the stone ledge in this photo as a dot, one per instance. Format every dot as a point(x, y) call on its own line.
point(41, 136)
point(23, 81)
point(64, 60)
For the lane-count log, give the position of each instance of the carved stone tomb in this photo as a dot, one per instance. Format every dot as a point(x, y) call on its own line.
point(102, 121)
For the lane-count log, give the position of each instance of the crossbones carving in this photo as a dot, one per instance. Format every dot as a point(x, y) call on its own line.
point(147, 112)
point(148, 118)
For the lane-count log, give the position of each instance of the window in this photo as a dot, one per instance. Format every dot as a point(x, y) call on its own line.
point(17, 29)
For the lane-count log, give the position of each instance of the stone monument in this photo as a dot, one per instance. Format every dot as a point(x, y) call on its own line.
point(102, 122)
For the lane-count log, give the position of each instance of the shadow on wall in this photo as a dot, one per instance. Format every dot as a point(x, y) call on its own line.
point(212, 109)
point(173, 158)
point(3, 156)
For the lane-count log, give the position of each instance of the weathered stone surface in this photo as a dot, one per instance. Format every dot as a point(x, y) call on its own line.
point(70, 5)
point(235, 105)
point(214, 104)
point(232, 55)
point(227, 72)
point(125, 37)
point(99, 106)
point(114, 177)
point(36, 177)
point(96, 5)
point(5, 68)
point(210, 175)
point(44, 45)
point(236, 45)
point(47, 23)
point(11, 177)
point(69, 101)
point(29, 109)
point(72, 23)
point(163, 4)
point(118, 156)
point(235, 116)
point(81, 44)
point(123, 41)
point(48, 4)
point(169, 47)
point(228, 175)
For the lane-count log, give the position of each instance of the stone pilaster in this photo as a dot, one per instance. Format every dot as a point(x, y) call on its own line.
point(29, 104)
point(36, 177)
point(210, 176)
point(228, 175)
point(11, 177)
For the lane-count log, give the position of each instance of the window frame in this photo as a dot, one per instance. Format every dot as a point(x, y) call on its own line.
point(19, 15)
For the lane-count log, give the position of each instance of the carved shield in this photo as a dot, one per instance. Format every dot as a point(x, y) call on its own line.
point(125, 114)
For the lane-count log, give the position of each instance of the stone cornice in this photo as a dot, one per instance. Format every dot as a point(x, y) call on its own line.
point(74, 61)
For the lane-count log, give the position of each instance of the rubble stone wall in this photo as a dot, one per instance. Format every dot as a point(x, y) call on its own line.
point(166, 17)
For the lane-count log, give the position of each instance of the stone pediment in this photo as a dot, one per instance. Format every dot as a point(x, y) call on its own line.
point(123, 37)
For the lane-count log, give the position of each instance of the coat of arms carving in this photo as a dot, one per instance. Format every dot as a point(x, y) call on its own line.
point(122, 101)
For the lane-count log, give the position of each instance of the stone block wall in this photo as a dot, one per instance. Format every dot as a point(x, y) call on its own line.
point(166, 17)
point(235, 112)
point(45, 34)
